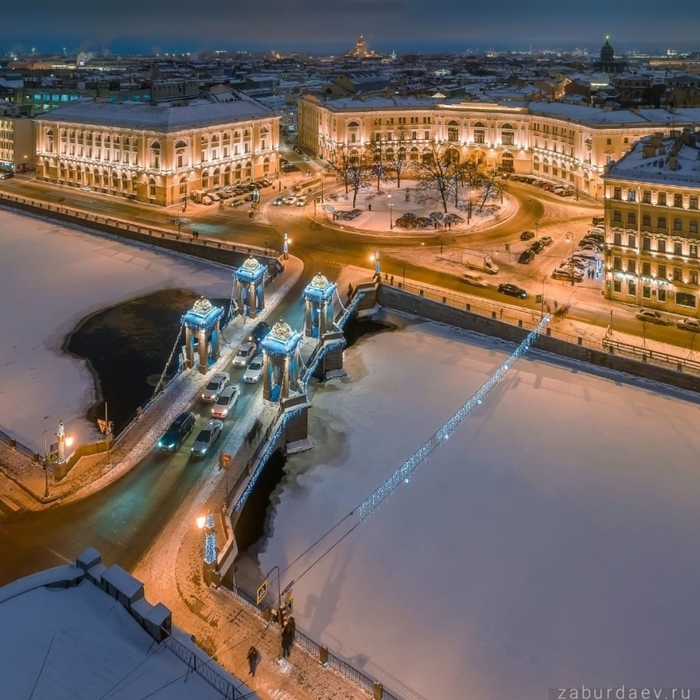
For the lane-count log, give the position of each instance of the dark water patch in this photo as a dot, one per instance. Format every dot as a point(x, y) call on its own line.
point(127, 346)
point(358, 328)
point(250, 526)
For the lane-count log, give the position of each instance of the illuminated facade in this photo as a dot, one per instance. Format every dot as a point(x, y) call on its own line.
point(651, 222)
point(16, 141)
point(157, 154)
point(560, 142)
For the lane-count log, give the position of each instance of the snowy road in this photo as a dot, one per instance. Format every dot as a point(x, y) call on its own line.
point(552, 542)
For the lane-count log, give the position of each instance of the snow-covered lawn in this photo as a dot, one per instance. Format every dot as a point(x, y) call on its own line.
point(552, 542)
point(51, 277)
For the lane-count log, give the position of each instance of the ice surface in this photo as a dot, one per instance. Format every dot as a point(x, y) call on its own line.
point(51, 277)
point(551, 542)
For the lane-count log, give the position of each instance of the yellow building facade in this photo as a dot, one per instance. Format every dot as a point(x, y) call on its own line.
point(158, 154)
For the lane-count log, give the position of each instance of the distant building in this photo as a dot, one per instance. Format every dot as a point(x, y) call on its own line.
point(158, 153)
point(361, 49)
point(608, 63)
point(652, 223)
point(16, 140)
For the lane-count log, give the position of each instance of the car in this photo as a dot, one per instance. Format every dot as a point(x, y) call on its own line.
point(588, 245)
point(278, 202)
point(254, 371)
point(650, 316)
point(244, 354)
point(598, 220)
point(547, 240)
point(526, 257)
point(215, 386)
point(301, 202)
point(178, 431)
point(526, 235)
point(225, 403)
point(6, 176)
point(512, 290)
point(566, 273)
point(476, 280)
point(537, 247)
point(688, 324)
point(206, 439)
point(585, 254)
point(260, 330)
point(290, 200)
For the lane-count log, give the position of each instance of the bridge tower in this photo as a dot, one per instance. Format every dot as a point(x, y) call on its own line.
point(202, 329)
point(318, 316)
point(250, 287)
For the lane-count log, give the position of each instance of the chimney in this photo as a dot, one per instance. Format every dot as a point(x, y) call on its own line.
point(672, 163)
point(648, 151)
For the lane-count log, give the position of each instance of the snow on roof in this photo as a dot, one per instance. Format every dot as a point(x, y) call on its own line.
point(162, 117)
point(123, 581)
point(80, 643)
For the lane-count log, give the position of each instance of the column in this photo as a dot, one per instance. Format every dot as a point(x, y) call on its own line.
point(202, 340)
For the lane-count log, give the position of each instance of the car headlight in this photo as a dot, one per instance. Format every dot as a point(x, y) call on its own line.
point(204, 451)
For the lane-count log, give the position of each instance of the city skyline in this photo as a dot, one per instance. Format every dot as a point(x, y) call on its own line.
point(404, 25)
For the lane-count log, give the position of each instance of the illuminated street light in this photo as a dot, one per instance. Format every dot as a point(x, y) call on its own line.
point(391, 206)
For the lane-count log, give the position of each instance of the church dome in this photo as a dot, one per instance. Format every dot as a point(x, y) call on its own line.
point(607, 53)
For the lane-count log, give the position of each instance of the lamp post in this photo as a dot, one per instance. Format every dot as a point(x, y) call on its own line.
point(62, 441)
point(537, 229)
point(377, 265)
point(391, 218)
point(570, 239)
point(285, 246)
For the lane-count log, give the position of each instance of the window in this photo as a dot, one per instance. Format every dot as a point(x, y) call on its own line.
point(609, 142)
point(617, 286)
point(631, 218)
point(646, 243)
point(646, 220)
point(507, 135)
point(479, 133)
point(677, 224)
point(677, 248)
point(632, 241)
point(661, 295)
point(617, 193)
point(155, 155)
point(677, 274)
point(632, 267)
point(661, 198)
point(693, 250)
point(661, 245)
point(693, 203)
point(678, 200)
point(646, 292)
point(617, 238)
point(631, 195)
point(414, 135)
point(693, 277)
point(617, 216)
point(632, 289)
point(662, 222)
point(646, 269)
point(661, 272)
point(693, 226)
point(151, 188)
point(646, 197)
point(452, 131)
point(685, 299)
point(426, 135)
point(617, 263)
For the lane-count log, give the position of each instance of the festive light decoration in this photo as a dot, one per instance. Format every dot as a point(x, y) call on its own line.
point(402, 474)
point(209, 540)
point(350, 309)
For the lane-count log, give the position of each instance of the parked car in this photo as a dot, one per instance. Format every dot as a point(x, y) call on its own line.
point(216, 385)
point(290, 200)
point(537, 247)
point(178, 431)
point(206, 439)
point(512, 290)
point(526, 257)
point(6, 176)
point(253, 372)
point(244, 354)
point(301, 202)
point(526, 235)
point(547, 240)
point(225, 403)
point(650, 316)
point(260, 330)
point(688, 324)
point(598, 220)
point(566, 273)
point(278, 202)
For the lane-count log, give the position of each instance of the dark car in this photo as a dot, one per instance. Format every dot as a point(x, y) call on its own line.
point(526, 257)
point(526, 235)
point(259, 332)
point(175, 435)
point(512, 291)
point(598, 220)
point(537, 247)
point(6, 176)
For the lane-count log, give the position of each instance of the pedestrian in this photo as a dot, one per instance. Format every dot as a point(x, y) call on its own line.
point(369, 207)
point(253, 658)
point(386, 276)
point(288, 634)
point(391, 280)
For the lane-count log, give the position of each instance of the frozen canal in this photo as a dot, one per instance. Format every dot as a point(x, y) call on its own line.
point(51, 277)
point(553, 542)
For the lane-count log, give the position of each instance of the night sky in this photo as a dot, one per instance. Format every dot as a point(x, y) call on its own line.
point(333, 25)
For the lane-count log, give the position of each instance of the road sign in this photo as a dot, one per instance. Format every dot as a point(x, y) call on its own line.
point(288, 607)
point(261, 593)
point(224, 461)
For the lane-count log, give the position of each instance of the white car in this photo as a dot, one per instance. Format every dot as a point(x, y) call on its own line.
point(688, 324)
point(650, 316)
point(290, 200)
point(216, 385)
point(301, 202)
point(244, 354)
point(253, 373)
point(225, 403)
point(208, 435)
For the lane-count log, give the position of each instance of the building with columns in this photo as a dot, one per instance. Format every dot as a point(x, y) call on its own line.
point(652, 223)
point(158, 153)
point(568, 144)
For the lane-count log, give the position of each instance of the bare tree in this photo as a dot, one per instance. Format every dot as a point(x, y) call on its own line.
point(436, 173)
point(342, 159)
point(396, 154)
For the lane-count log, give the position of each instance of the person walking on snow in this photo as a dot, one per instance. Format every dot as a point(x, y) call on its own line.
point(253, 657)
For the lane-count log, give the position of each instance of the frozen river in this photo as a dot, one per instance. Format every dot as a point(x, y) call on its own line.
point(551, 543)
point(51, 277)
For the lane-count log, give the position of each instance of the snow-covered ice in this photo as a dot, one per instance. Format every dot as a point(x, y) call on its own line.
point(51, 277)
point(551, 542)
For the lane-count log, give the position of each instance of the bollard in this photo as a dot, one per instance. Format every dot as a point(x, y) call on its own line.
point(420, 292)
point(469, 307)
point(493, 314)
point(13, 443)
point(520, 323)
point(580, 340)
point(323, 656)
point(219, 244)
point(549, 331)
point(610, 348)
point(680, 366)
point(444, 300)
point(378, 691)
point(644, 357)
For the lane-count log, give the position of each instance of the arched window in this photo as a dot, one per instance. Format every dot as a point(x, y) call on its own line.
point(414, 155)
point(427, 157)
point(180, 154)
point(183, 186)
point(479, 133)
point(205, 179)
point(227, 175)
point(536, 163)
point(353, 125)
point(248, 170)
point(507, 135)
point(266, 166)
point(155, 154)
point(452, 156)
point(545, 165)
point(151, 188)
point(354, 157)
point(452, 131)
point(239, 172)
point(507, 163)
point(216, 178)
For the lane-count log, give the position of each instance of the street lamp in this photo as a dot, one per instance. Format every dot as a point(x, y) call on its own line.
point(62, 441)
point(537, 229)
point(285, 246)
point(570, 239)
point(391, 218)
point(377, 264)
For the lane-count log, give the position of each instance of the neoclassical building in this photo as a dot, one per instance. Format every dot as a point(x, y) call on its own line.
point(157, 153)
point(565, 143)
point(652, 221)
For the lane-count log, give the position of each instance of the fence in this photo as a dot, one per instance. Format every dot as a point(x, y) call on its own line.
point(13, 444)
point(654, 356)
point(204, 670)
